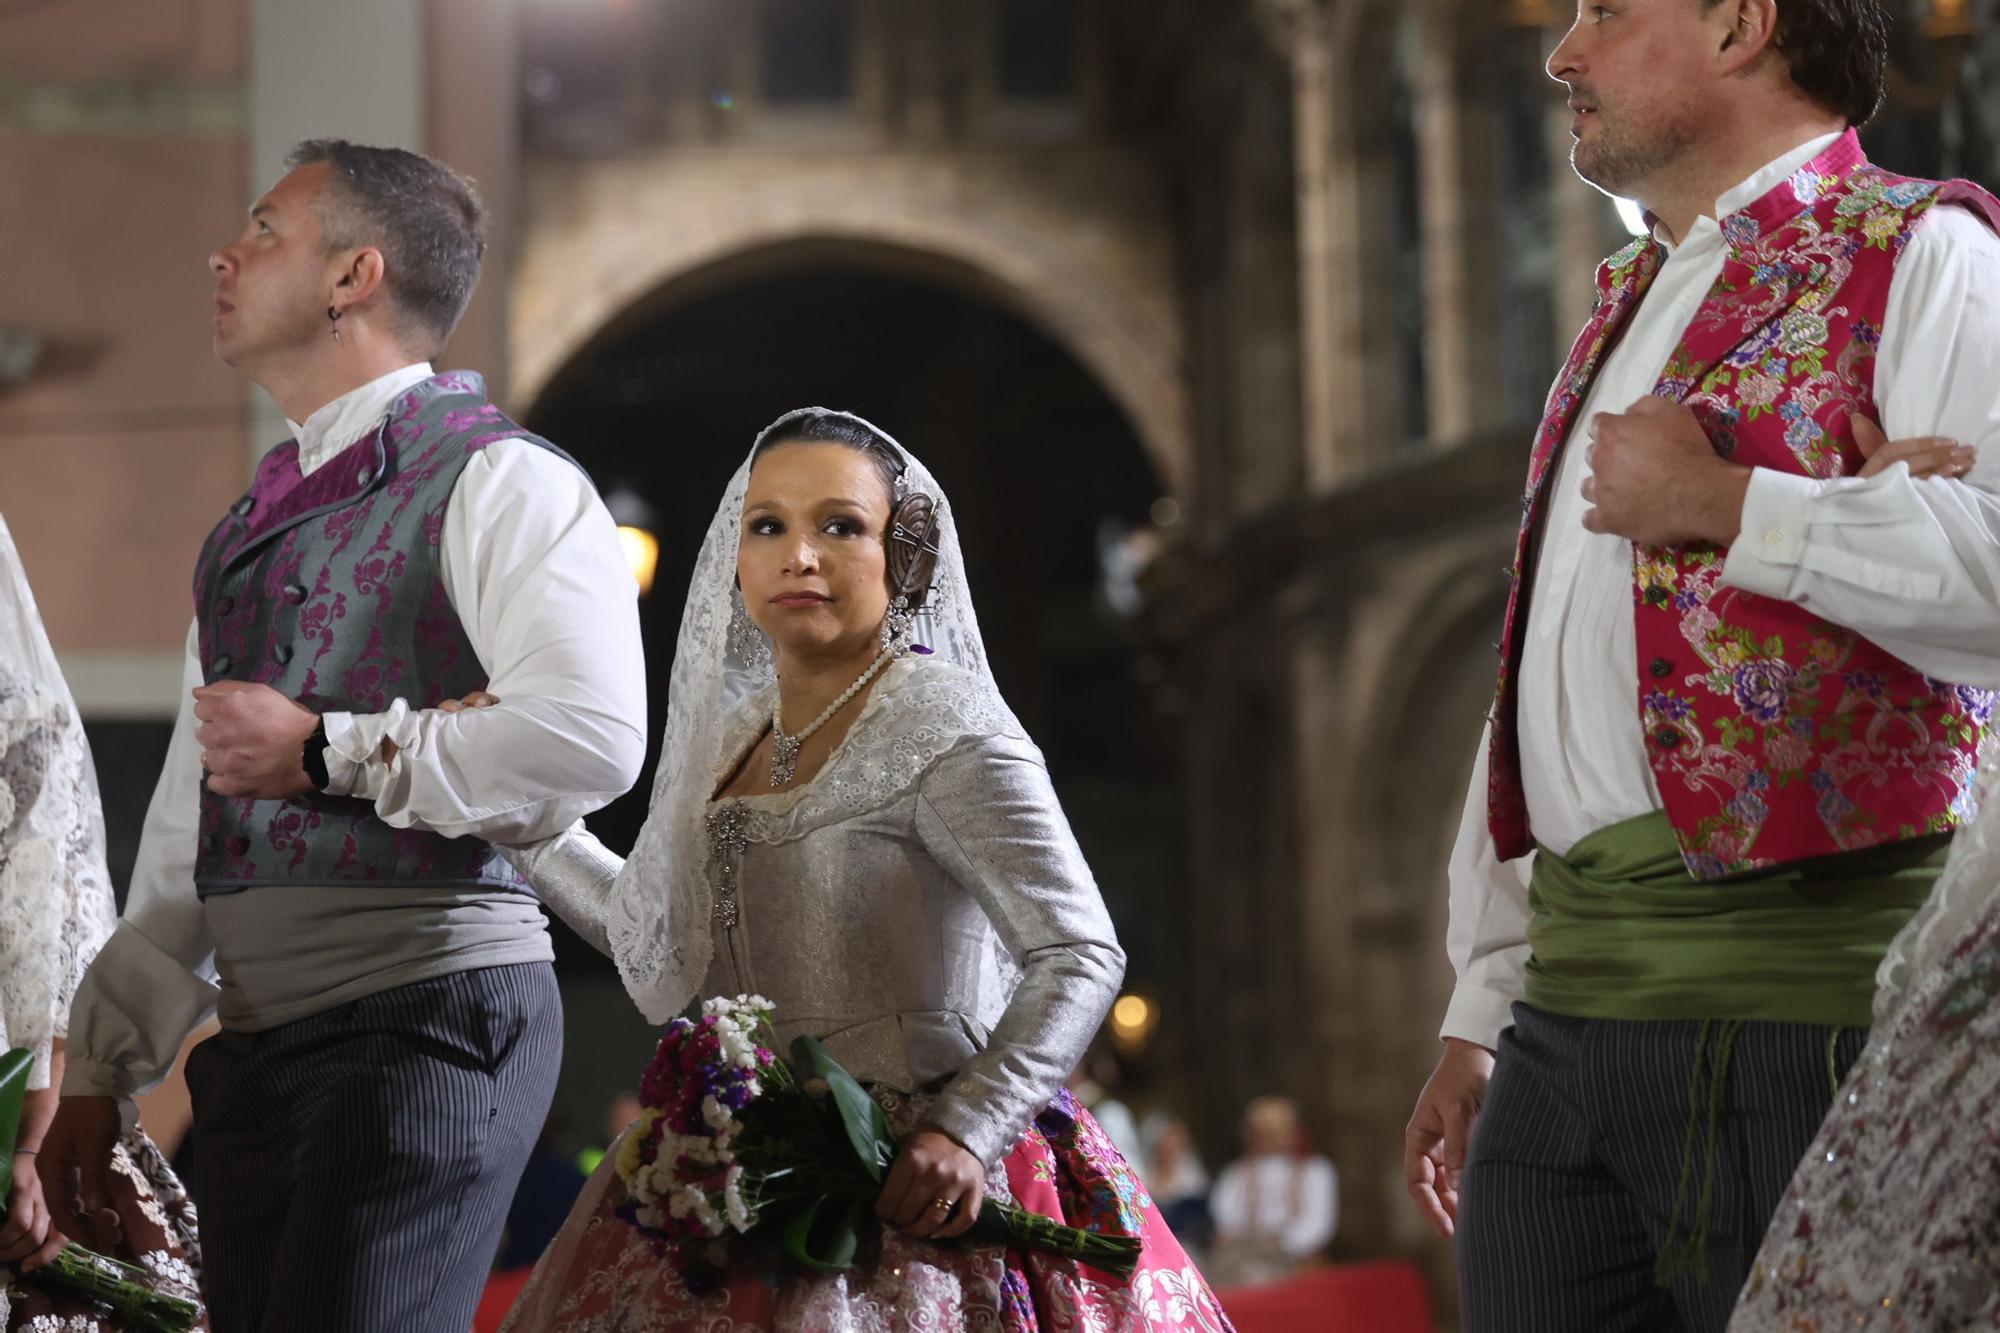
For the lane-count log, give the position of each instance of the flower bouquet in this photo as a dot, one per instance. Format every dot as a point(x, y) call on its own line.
point(735, 1142)
point(131, 1293)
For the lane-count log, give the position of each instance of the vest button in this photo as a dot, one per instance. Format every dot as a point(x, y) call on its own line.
point(1660, 667)
point(243, 507)
point(222, 664)
point(1656, 595)
point(295, 593)
point(1666, 738)
point(283, 652)
point(224, 604)
point(364, 476)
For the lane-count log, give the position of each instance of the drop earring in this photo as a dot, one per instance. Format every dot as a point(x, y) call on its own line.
point(333, 313)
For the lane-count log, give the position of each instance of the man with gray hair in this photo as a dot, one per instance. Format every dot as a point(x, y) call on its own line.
point(318, 866)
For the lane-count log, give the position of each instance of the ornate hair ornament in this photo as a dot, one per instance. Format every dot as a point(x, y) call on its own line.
point(912, 559)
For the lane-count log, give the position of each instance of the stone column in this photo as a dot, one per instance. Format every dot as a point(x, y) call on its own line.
point(1329, 456)
point(1461, 314)
point(1587, 230)
point(472, 116)
point(355, 71)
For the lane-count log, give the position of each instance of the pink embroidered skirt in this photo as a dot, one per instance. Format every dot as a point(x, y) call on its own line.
point(601, 1276)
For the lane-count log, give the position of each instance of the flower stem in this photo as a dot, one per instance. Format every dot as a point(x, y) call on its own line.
point(128, 1291)
point(1007, 1224)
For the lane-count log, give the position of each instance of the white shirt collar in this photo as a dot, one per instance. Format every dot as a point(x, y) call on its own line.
point(347, 418)
point(1754, 187)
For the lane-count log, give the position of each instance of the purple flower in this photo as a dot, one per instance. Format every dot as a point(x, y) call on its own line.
point(1833, 806)
point(1668, 706)
point(1751, 350)
point(1867, 682)
point(1705, 867)
point(1977, 703)
point(1748, 807)
point(1762, 689)
point(1740, 230)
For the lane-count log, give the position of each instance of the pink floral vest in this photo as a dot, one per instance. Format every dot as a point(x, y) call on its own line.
point(1773, 735)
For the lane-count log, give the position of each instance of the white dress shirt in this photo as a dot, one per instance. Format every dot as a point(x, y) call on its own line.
point(531, 563)
point(1912, 564)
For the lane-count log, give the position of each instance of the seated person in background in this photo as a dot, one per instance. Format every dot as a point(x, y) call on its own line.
point(1276, 1206)
point(1178, 1180)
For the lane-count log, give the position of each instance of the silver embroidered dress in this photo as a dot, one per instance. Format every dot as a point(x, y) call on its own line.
point(1892, 1223)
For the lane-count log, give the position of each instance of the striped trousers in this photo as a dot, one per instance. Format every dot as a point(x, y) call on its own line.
point(356, 1166)
point(1579, 1154)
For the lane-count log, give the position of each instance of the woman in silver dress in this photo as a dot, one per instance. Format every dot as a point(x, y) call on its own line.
point(849, 821)
point(1892, 1224)
point(56, 910)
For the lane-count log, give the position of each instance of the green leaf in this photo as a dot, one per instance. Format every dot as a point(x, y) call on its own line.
point(14, 1067)
point(826, 1243)
point(867, 1128)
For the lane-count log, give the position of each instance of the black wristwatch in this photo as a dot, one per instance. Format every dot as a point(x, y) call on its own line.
point(313, 757)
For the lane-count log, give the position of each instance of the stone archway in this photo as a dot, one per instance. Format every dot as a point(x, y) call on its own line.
point(1077, 246)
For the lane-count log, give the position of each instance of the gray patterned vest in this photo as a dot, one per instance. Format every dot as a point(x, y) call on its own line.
point(328, 588)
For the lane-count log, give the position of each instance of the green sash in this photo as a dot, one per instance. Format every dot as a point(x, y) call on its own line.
point(1620, 930)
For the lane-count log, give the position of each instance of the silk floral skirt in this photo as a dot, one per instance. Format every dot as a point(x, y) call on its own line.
point(600, 1275)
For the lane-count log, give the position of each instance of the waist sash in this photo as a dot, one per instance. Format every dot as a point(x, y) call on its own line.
point(1620, 930)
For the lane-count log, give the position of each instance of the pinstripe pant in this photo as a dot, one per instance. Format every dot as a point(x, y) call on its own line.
point(1576, 1157)
point(356, 1165)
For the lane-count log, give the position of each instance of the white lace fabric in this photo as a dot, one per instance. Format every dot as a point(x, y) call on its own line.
point(56, 906)
point(1965, 891)
point(657, 918)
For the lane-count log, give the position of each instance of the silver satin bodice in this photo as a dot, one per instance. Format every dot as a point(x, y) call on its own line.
point(941, 932)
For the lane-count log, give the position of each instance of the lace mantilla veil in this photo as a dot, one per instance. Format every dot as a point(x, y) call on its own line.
point(56, 907)
point(1964, 894)
point(657, 920)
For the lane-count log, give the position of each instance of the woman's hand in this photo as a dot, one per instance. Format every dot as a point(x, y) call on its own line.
point(933, 1168)
point(26, 1240)
point(1927, 455)
point(476, 699)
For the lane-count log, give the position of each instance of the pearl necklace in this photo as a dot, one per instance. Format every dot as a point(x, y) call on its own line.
point(785, 749)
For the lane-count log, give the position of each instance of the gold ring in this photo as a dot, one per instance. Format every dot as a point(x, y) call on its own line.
point(943, 1205)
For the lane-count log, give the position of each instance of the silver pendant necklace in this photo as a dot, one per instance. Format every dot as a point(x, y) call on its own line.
point(785, 749)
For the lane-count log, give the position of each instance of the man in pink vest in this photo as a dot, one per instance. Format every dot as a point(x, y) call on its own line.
point(1744, 671)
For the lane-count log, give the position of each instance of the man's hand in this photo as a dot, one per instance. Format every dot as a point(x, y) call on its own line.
point(1927, 455)
point(1441, 1126)
point(1657, 480)
point(251, 739)
point(75, 1165)
point(26, 1240)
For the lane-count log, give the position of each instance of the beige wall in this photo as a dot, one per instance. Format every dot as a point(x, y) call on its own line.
point(121, 166)
point(124, 151)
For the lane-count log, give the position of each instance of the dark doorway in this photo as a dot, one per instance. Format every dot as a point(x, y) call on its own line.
point(1036, 460)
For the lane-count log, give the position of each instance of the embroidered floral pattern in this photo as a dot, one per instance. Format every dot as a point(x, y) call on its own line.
point(1765, 724)
point(327, 587)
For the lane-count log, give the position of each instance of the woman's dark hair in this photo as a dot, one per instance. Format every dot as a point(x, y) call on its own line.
point(826, 428)
point(1838, 51)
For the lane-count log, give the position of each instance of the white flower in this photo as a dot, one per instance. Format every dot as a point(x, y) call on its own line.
point(732, 1200)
